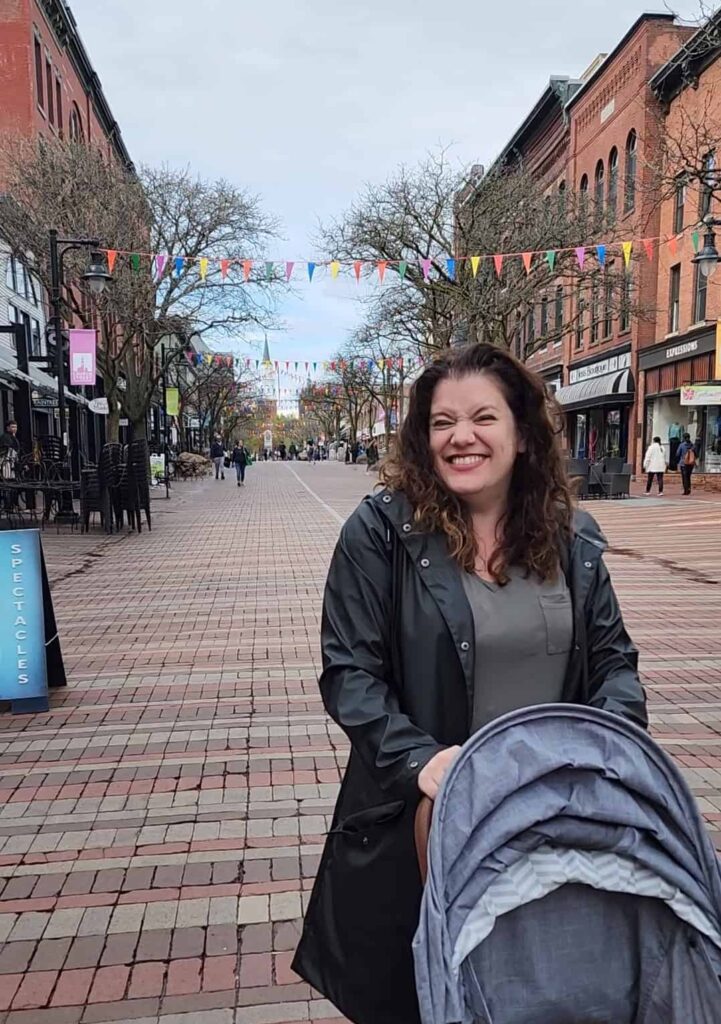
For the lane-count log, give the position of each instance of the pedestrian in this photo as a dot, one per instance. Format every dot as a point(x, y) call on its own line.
point(311, 453)
point(654, 463)
point(9, 443)
point(371, 456)
point(217, 454)
point(347, 453)
point(293, 453)
point(239, 458)
point(476, 590)
point(686, 462)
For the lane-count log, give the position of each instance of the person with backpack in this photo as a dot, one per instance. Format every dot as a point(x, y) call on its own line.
point(654, 463)
point(686, 462)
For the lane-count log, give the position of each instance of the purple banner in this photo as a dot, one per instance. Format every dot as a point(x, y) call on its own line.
point(82, 357)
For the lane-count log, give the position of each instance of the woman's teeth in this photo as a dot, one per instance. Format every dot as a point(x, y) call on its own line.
point(466, 460)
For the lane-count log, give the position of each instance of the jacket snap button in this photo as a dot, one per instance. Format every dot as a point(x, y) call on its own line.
point(413, 764)
point(365, 840)
point(424, 563)
point(465, 646)
point(406, 527)
point(589, 565)
point(387, 499)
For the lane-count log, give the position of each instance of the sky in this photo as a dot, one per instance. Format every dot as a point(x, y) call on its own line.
point(304, 101)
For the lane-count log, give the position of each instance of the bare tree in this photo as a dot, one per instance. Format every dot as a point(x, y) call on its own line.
point(425, 225)
point(186, 220)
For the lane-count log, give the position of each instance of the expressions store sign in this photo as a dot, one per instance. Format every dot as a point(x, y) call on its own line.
point(23, 667)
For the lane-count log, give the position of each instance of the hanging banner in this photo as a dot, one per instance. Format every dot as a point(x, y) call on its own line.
point(82, 357)
point(172, 401)
point(23, 665)
point(698, 394)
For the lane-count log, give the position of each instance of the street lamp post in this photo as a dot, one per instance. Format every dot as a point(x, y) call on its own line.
point(96, 276)
point(708, 258)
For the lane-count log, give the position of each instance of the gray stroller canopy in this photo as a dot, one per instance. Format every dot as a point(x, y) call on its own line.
point(570, 881)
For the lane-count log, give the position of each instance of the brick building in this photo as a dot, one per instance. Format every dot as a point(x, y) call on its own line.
point(684, 349)
point(599, 137)
point(49, 89)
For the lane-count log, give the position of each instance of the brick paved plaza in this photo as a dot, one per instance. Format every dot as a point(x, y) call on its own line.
point(161, 825)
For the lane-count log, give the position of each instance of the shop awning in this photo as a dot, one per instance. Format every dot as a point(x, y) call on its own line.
point(8, 369)
point(610, 389)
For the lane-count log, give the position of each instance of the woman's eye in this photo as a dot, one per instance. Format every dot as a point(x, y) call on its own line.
point(441, 424)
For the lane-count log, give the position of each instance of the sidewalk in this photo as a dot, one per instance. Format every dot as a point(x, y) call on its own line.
point(161, 825)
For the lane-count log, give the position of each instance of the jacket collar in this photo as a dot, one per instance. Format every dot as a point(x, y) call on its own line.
point(398, 510)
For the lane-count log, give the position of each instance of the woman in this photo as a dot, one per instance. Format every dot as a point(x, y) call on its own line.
point(466, 589)
point(239, 458)
point(654, 463)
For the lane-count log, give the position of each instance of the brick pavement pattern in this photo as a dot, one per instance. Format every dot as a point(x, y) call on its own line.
point(161, 825)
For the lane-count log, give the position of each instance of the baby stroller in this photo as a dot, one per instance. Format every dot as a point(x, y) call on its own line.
point(570, 880)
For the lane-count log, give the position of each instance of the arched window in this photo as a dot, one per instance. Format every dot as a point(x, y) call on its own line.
point(76, 125)
point(707, 186)
point(629, 192)
point(583, 196)
point(599, 181)
point(612, 192)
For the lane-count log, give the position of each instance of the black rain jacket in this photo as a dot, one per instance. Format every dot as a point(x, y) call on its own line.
point(398, 673)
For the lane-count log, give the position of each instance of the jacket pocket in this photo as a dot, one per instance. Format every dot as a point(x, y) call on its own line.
point(362, 824)
point(558, 616)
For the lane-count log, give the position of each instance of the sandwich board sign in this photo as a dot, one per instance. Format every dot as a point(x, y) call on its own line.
point(30, 658)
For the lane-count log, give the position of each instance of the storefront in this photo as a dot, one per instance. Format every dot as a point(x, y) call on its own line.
point(597, 402)
point(676, 403)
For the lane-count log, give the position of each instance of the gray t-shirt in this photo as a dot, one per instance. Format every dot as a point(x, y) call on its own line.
point(524, 634)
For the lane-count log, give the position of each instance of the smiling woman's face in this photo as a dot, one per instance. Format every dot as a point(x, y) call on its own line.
point(474, 439)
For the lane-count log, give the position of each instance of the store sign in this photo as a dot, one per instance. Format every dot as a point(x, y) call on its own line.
point(661, 355)
point(99, 406)
point(157, 467)
point(45, 403)
point(599, 369)
point(23, 666)
point(701, 394)
point(679, 351)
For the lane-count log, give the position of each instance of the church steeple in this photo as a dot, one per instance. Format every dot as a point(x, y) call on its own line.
point(266, 351)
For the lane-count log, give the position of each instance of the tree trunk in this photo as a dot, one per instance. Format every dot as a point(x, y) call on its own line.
point(139, 428)
point(112, 424)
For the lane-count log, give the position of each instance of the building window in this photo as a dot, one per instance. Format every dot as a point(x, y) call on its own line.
point(558, 325)
point(612, 198)
point(51, 101)
point(76, 125)
point(679, 204)
point(707, 186)
point(599, 189)
point(544, 317)
point(59, 105)
point(11, 274)
point(608, 302)
point(580, 316)
point(14, 314)
point(629, 194)
point(36, 339)
point(529, 331)
point(674, 297)
point(700, 288)
point(583, 198)
point(625, 319)
point(595, 310)
point(39, 73)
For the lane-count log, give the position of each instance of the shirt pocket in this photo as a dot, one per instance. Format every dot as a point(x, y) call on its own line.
point(558, 618)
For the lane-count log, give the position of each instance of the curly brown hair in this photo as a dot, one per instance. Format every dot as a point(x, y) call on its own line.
point(538, 518)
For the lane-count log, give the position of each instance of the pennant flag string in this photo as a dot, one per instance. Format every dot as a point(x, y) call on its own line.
point(182, 264)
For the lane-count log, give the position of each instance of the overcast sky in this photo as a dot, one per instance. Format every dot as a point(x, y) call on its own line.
point(302, 101)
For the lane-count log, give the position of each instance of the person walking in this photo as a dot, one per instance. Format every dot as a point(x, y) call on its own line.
point(654, 463)
point(371, 456)
point(468, 588)
point(9, 442)
point(686, 462)
point(239, 458)
point(311, 453)
point(217, 454)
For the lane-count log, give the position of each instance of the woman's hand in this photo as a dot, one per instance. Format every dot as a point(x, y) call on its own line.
point(431, 776)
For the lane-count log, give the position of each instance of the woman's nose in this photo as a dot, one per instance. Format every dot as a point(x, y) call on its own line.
point(463, 432)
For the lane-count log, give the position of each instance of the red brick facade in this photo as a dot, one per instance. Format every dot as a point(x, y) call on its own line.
point(47, 84)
